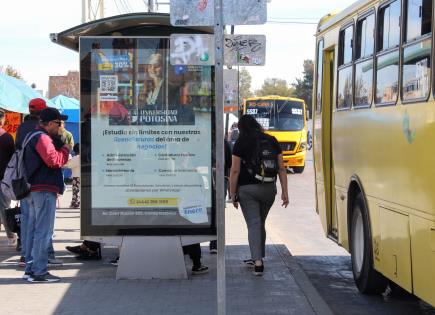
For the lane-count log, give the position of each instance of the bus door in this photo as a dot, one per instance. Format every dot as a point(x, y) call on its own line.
point(324, 168)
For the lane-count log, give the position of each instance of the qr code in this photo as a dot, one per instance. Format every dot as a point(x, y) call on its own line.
point(108, 83)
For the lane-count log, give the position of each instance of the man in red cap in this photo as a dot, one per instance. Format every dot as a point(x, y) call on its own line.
point(31, 122)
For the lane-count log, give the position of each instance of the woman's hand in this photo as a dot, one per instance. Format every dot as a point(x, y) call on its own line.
point(235, 204)
point(284, 198)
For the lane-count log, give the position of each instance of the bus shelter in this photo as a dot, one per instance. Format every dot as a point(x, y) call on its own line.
point(146, 142)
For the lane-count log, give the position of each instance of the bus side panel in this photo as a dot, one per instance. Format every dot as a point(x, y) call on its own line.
point(321, 206)
point(341, 206)
point(423, 257)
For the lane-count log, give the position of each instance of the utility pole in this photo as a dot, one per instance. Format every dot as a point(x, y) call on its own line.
point(92, 9)
point(150, 6)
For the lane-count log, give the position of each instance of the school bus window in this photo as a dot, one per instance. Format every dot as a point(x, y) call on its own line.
point(364, 38)
point(389, 26)
point(346, 37)
point(418, 18)
point(387, 69)
point(417, 55)
point(319, 76)
point(365, 41)
point(344, 95)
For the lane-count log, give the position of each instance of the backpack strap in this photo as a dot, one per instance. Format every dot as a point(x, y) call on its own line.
point(29, 137)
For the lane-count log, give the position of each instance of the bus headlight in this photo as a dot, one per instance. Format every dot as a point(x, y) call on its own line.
point(302, 147)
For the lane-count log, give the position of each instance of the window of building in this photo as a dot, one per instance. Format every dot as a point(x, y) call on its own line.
point(364, 38)
point(389, 26)
point(346, 37)
point(418, 18)
point(319, 76)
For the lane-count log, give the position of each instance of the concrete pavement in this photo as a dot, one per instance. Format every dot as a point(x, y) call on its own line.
point(90, 287)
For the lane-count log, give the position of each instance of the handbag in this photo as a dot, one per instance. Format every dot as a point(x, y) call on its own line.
point(13, 218)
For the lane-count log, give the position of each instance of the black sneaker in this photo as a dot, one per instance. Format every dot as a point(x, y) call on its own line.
point(75, 249)
point(27, 275)
point(22, 262)
point(47, 278)
point(199, 270)
point(249, 262)
point(258, 270)
point(115, 261)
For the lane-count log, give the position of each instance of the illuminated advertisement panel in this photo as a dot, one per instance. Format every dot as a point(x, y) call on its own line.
point(146, 140)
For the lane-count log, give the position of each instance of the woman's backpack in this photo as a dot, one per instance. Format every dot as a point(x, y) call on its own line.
point(263, 164)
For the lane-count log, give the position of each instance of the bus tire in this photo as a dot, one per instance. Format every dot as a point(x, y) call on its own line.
point(367, 279)
point(298, 169)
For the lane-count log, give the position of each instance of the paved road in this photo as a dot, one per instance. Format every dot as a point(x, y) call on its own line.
point(327, 265)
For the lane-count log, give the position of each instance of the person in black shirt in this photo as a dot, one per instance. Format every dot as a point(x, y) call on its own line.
point(255, 196)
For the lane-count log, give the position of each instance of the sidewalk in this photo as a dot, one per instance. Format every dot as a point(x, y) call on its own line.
point(91, 288)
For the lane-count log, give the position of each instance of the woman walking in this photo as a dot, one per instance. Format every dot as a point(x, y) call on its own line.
point(256, 160)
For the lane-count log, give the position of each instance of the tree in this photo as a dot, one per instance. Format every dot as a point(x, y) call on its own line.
point(275, 86)
point(10, 71)
point(245, 80)
point(304, 87)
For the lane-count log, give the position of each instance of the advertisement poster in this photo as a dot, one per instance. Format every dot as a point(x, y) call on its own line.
point(151, 136)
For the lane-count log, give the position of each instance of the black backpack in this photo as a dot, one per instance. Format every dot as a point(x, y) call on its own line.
point(263, 164)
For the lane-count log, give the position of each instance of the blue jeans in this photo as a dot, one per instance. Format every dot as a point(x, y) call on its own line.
point(40, 226)
point(24, 219)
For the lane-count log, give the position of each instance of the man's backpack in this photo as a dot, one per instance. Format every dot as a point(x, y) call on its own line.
point(14, 184)
point(263, 164)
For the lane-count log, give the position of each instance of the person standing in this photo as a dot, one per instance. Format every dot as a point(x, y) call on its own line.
point(30, 124)
point(6, 151)
point(43, 163)
point(255, 196)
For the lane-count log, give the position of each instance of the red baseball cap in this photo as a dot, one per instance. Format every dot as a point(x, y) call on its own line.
point(37, 104)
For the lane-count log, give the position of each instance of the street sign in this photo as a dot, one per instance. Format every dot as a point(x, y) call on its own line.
point(192, 12)
point(231, 89)
point(201, 12)
point(192, 49)
point(244, 50)
point(244, 12)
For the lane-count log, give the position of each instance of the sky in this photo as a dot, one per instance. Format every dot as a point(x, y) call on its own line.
point(25, 26)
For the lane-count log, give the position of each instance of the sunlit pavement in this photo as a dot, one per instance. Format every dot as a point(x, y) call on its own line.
point(90, 287)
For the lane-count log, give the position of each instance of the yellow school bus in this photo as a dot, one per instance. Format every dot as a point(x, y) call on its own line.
point(285, 119)
point(373, 133)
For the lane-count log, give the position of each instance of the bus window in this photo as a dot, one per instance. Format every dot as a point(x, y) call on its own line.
point(344, 93)
point(389, 26)
point(319, 76)
point(417, 51)
point(387, 64)
point(364, 64)
point(418, 18)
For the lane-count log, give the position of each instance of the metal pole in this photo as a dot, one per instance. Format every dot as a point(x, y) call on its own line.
point(220, 197)
point(101, 9)
point(83, 11)
point(150, 5)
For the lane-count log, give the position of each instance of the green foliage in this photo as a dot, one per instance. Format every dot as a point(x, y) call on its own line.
point(245, 81)
point(10, 71)
point(304, 86)
point(275, 86)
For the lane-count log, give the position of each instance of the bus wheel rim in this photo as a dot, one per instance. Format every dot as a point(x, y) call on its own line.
point(358, 242)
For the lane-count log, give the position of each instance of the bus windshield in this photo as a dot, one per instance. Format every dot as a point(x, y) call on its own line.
point(278, 115)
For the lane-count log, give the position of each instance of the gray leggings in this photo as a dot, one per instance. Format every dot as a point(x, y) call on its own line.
point(4, 204)
point(256, 201)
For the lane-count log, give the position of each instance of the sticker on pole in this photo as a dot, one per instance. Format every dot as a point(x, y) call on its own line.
point(244, 12)
point(192, 12)
point(244, 50)
point(192, 49)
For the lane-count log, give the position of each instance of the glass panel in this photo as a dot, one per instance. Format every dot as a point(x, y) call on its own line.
point(346, 36)
point(389, 26)
point(394, 27)
point(387, 67)
point(418, 20)
point(143, 121)
point(344, 95)
point(319, 76)
point(416, 70)
point(284, 115)
point(365, 39)
point(364, 83)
